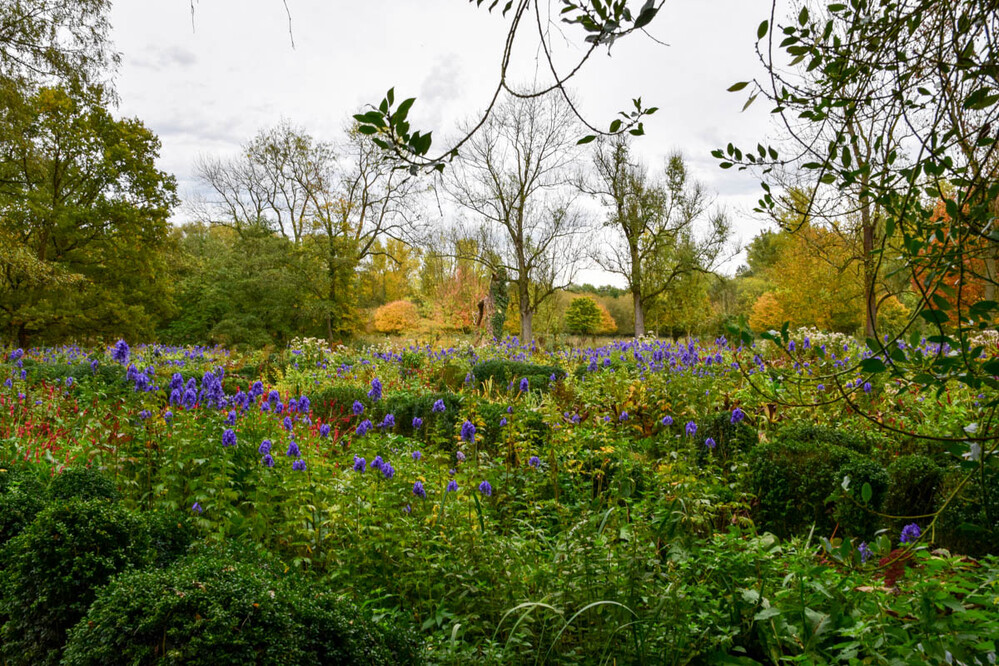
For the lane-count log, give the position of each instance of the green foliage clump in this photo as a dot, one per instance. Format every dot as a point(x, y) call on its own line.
point(171, 534)
point(792, 479)
point(731, 439)
point(405, 406)
point(800, 431)
point(970, 523)
point(855, 516)
point(213, 610)
point(795, 475)
point(337, 400)
point(502, 372)
point(915, 481)
point(53, 569)
point(85, 483)
point(22, 497)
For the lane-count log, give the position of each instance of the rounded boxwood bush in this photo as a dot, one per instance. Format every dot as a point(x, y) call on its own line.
point(854, 516)
point(791, 481)
point(337, 401)
point(212, 610)
point(799, 431)
point(405, 406)
point(502, 372)
point(22, 497)
point(84, 483)
point(915, 481)
point(171, 534)
point(730, 439)
point(53, 569)
point(969, 524)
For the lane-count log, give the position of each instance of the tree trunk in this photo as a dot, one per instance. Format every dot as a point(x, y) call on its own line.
point(870, 274)
point(639, 315)
point(526, 327)
point(990, 273)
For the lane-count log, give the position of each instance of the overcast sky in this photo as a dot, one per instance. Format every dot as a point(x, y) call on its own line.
point(208, 84)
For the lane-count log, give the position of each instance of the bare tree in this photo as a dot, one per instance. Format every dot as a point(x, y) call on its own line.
point(364, 200)
point(332, 201)
point(655, 239)
point(281, 179)
point(515, 179)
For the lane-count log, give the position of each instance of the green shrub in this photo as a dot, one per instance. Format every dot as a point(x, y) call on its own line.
point(970, 523)
point(22, 497)
point(855, 517)
point(503, 372)
point(337, 401)
point(730, 439)
point(83, 483)
point(452, 376)
point(54, 568)
point(799, 431)
point(241, 378)
point(915, 481)
point(58, 372)
point(405, 406)
point(213, 610)
point(411, 360)
point(171, 534)
point(792, 480)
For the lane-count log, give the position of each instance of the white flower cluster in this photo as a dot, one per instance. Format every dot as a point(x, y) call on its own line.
point(987, 339)
point(818, 338)
point(312, 349)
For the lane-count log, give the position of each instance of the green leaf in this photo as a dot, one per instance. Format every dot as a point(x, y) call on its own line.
point(866, 492)
point(872, 365)
point(761, 32)
point(648, 13)
point(403, 110)
point(766, 614)
point(736, 87)
point(586, 139)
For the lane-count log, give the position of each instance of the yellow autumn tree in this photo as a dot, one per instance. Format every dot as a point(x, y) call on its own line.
point(396, 317)
point(812, 283)
point(607, 324)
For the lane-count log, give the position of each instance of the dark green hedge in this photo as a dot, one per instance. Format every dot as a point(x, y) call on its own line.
point(503, 372)
point(211, 610)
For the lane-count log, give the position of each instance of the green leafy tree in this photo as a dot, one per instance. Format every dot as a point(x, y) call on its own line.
point(656, 241)
point(582, 317)
point(239, 289)
point(85, 209)
point(67, 41)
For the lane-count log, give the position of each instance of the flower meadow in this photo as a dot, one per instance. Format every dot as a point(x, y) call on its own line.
point(637, 502)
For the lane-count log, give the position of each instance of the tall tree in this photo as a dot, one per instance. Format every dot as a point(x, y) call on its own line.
point(81, 196)
point(336, 203)
point(655, 240)
point(56, 41)
point(515, 180)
